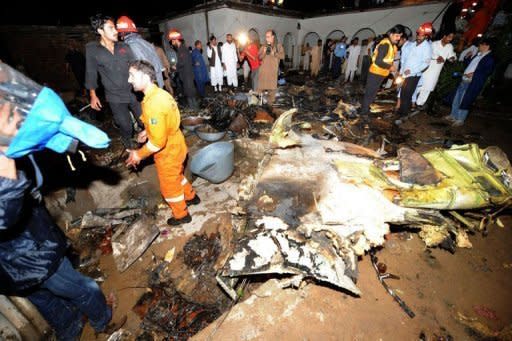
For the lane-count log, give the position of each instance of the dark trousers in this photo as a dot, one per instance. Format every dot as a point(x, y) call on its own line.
point(406, 92)
point(123, 118)
point(61, 314)
point(325, 66)
point(254, 78)
point(200, 85)
point(373, 83)
point(365, 66)
point(192, 103)
point(67, 295)
point(189, 89)
point(336, 67)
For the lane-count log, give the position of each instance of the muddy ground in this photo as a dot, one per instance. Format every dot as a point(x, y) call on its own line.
point(441, 288)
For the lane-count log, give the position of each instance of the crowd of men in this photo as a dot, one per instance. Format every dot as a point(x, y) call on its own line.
point(119, 42)
point(33, 251)
point(33, 260)
point(413, 65)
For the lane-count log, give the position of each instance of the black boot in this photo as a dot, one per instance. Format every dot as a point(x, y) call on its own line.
point(175, 222)
point(194, 201)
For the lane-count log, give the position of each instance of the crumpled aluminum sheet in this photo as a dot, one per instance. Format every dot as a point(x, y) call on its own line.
point(322, 217)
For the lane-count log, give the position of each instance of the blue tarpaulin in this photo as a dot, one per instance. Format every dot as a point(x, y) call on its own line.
point(50, 125)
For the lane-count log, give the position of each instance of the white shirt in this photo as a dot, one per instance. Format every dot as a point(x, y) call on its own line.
point(473, 50)
point(474, 62)
point(415, 58)
point(440, 50)
point(229, 55)
point(353, 54)
point(430, 77)
point(209, 52)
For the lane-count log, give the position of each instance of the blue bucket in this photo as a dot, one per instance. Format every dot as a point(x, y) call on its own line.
point(214, 162)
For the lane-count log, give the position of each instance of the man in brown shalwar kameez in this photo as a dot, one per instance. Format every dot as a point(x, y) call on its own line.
point(270, 54)
point(316, 58)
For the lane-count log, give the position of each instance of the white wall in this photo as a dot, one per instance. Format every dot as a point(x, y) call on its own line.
point(335, 35)
point(192, 27)
point(288, 44)
point(363, 34)
point(227, 20)
point(379, 20)
point(311, 39)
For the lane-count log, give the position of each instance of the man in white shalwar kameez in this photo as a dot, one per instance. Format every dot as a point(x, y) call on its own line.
point(230, 60)
point(307, 57)
point(215, 61)
point(442, 50)
point(353, 52)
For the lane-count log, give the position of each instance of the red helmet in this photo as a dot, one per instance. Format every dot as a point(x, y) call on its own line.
point(174, 34)
point(125, 24)
point(426, 29)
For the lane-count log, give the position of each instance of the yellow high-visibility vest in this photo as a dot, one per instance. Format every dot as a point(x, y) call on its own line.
point(390, 56)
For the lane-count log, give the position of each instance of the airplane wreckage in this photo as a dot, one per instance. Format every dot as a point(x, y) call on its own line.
point(317, 205)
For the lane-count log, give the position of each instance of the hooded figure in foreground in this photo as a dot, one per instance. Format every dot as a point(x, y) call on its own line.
point(33, 260)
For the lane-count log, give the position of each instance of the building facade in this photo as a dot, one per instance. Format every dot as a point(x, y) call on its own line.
point(293, 29)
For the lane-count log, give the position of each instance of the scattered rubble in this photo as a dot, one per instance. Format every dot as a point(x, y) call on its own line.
point(482, 330)
point(315, 187)
point(170, 316)
point(323, 194)
point(183, 297)
point(130, 241)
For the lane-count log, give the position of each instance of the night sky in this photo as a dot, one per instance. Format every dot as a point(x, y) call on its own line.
point(78, 12)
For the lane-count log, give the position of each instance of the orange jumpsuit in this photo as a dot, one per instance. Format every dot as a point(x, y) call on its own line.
point(161, 119)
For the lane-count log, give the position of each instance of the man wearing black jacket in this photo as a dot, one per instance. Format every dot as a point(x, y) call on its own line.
point(382, 65)
point(33, 260)
point(473, 81)
point(110, 59)
point(184, 67)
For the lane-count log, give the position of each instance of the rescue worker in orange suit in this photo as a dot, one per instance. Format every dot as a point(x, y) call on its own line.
point(164, 140)
point(382, 65)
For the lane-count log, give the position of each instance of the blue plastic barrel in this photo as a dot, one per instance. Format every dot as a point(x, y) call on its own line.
point(214, 162)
